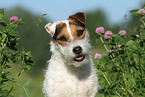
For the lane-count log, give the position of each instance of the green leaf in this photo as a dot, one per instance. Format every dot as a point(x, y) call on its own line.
point(10, 61)
point(3, 24)
point(21, 23)
point(20, 19)
point(1, 14)
point(4, 36)
point(130, 43)
point(26, 87)
point(43, 15)
point(135, 11)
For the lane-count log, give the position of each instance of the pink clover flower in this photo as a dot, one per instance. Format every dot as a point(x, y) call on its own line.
point(97, 56)
point(15, 18)
point(141, 11)
point(108, 35)
point(122, 32)
point(100, 30)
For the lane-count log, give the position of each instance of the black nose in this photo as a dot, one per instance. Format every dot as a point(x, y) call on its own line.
point(77, 50)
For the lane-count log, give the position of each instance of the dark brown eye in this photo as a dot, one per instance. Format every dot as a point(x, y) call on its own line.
point(62, 38)
point(80, 33)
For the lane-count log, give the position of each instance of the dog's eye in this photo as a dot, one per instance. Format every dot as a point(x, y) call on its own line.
point(62, 38)
point(80, 32)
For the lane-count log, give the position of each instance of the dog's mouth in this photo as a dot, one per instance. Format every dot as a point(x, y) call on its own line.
point(79, 58)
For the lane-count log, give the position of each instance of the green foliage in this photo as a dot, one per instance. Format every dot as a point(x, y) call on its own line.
point(10, 55)
point(135, 11)
point(122, 70)
point(26, 88)
point(33, 37)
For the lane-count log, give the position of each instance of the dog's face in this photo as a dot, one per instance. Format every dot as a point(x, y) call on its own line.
point(70, 39)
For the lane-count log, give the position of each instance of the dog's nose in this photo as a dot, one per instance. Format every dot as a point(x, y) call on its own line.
point(77, 50)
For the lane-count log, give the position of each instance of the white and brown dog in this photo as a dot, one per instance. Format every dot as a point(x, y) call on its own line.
point(70, 72)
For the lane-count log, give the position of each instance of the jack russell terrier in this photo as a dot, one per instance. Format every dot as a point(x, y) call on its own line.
point(70, 72)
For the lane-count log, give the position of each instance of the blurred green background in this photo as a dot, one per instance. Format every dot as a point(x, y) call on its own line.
point(34, 38)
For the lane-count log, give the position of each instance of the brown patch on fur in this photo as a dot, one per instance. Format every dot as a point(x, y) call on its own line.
point(61, 31)
point(75, 27)
point(79, 17)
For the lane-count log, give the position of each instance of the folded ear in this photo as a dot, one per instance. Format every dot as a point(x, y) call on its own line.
point(47, 27)
point(80, 16)
point(50, 27)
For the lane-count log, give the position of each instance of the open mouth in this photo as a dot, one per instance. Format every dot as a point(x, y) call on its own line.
point(79, 58)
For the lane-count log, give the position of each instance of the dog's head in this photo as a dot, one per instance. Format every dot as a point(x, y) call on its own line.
point(70, 39)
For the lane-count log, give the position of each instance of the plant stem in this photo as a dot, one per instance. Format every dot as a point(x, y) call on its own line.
point(128, 55)
point(23, 88)
point(106, 78)
point(104, 44)
point(106, 48)
point(117, 93)
point(20, 86)
point(2, 51)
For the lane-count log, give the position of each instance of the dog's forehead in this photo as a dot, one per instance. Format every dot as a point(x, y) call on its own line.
point(63, 25)
point(68, 27)
point(54, 24)
point(63, 32)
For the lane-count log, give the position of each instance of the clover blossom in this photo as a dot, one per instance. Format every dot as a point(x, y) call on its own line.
point(15, 18)
point(100, 30)
point(25, 53)
point(108, 35)
point(3, 72)
point(97, 56)
point(119, 46)
point(137, 36)
point(122, 32)
point(141, 11)
point(111, 51)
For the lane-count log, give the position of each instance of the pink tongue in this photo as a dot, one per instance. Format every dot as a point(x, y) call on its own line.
point(79, 58)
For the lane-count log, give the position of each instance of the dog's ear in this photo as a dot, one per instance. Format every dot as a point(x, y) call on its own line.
point(50, 27)
point(80, 16)
point(47, 27)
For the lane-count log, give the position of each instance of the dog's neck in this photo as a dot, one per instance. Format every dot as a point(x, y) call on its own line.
point(81, 72)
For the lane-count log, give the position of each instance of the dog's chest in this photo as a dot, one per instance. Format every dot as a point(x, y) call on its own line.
point(68, 82)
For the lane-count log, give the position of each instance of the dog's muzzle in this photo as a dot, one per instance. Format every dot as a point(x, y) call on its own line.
point(79, 56)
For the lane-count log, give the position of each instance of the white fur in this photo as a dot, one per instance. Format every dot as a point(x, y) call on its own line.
point(67, 78)
point(68, 28)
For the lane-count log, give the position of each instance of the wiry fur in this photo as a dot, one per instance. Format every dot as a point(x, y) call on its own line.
point(65, 77)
